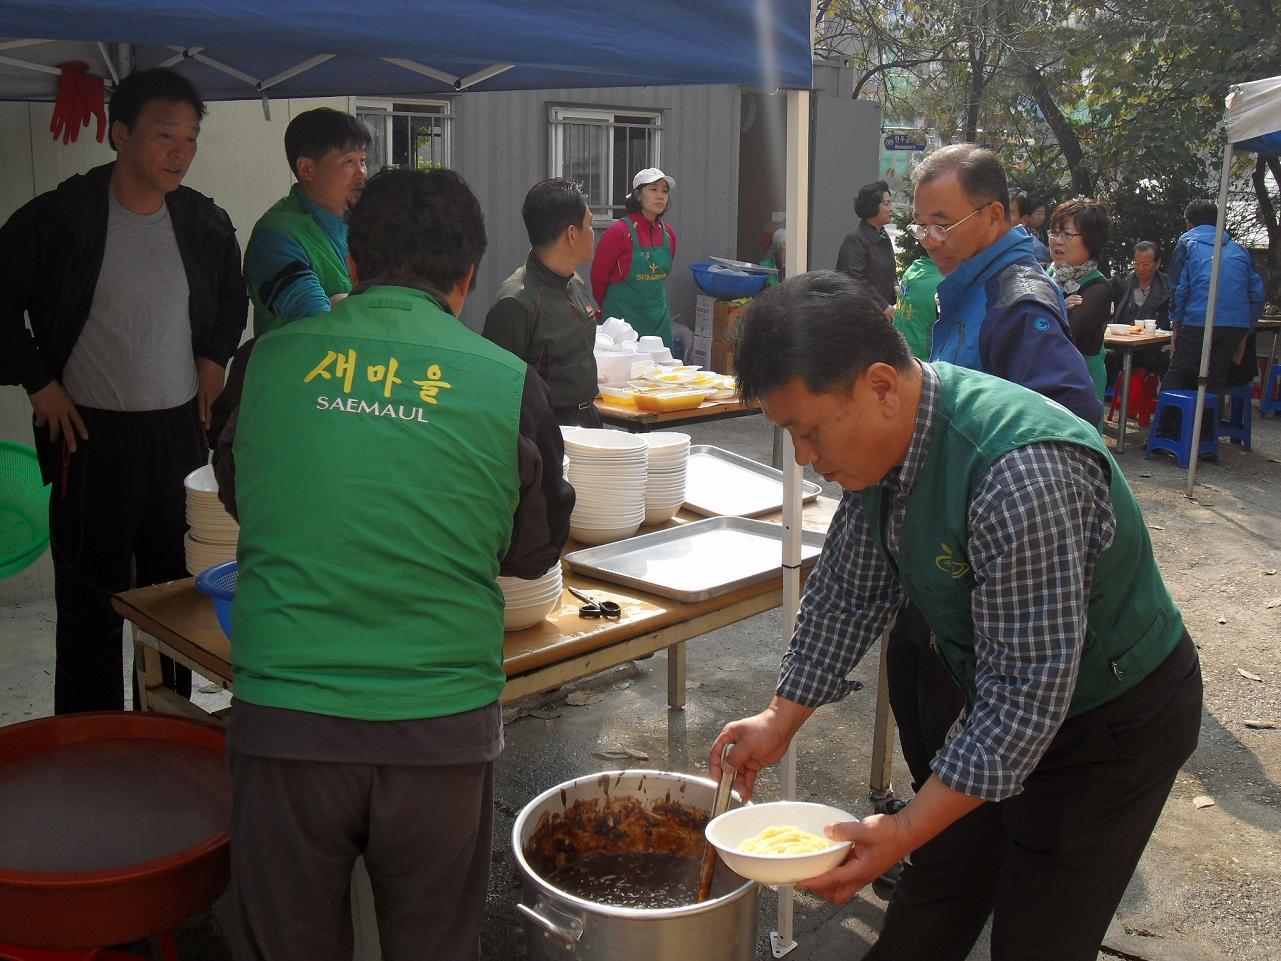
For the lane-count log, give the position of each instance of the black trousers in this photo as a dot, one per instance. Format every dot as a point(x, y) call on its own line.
point(925, 699)
point(1185, 365)
point(1050, 864)
point(116, 520)
point(297, 828)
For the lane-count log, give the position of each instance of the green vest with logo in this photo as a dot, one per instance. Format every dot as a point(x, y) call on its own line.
point(640, 298)
point(1133, 624)
point(288, 216)
point(376, 477)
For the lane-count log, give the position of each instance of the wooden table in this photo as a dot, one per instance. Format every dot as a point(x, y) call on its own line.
point(643, 421)
point(1126, 343)
point(176, 620)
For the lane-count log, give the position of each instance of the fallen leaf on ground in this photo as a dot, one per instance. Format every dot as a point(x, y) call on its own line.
point(1248, 676)
point(215, 688)
point(547, 713)
point(611, 755)
point(1261, 725)
point(637, 753)
point(1269, 572)
point(1223, 620)
point(583, 698)
point(1155, 527)
point(1202, 801)
point(622, 685)
point(1275, 602)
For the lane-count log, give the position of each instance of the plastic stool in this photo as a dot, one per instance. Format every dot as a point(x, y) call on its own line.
point(1144, 386)
point(1184, 401)
point(19, 952)
point(1234, 420)
point(1270, 400)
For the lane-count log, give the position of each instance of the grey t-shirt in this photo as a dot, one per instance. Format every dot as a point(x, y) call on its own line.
point(135, 350)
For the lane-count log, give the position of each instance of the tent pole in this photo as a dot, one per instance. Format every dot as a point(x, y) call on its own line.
point(798, 228)
point(1211, 303)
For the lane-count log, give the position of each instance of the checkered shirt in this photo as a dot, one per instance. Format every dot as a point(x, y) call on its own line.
point(1038, 521)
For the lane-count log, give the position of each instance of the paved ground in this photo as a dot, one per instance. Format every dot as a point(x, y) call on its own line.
point(1209, 886)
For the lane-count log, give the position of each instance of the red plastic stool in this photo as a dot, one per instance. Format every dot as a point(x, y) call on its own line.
point(1144, 387)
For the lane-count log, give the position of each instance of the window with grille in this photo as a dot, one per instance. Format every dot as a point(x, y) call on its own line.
point(413, 134)
point(603, 149)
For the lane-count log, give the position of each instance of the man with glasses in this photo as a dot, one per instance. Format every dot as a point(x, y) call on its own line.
point(999, 313)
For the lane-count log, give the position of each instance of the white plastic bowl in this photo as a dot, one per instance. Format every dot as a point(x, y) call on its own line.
point(595, 535)
point(732, 828)
point(1118, 328)
point(517, 619)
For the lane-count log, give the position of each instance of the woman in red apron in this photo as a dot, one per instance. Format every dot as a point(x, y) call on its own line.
point(634, 257)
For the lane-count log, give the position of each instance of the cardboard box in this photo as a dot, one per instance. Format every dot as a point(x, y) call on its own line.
point(703, 315)
point(716, 319)
point(701, 354)
point(725, 317)
point(722, 357)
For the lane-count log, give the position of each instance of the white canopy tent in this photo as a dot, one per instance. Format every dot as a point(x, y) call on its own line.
point(1252, 117)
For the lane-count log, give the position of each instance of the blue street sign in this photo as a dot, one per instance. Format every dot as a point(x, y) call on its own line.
point(903, 141)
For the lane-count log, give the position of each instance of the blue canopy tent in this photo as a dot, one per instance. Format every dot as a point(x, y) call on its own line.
point(1252, 117)
point(237, 50)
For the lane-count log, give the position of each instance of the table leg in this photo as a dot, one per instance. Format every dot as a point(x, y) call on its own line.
point(146, 668)
point(882, 732)
point(776, 454)
point(676, 675)
point(1127, 356)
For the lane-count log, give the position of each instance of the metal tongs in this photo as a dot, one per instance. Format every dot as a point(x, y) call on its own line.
point(595, 608)
point(720, 804)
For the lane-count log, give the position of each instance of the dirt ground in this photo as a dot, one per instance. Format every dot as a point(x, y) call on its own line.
point(1209, 885)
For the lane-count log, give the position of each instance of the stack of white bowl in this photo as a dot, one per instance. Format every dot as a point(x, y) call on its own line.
point(607, 469)
point(665, 479)
point(214, 532)
point(528, 602)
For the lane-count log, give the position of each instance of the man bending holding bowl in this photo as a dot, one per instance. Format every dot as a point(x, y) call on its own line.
point(1004, 519)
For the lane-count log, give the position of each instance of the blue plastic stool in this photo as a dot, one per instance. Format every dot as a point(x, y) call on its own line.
point(1184, 401)
point(1235, 424)
point(1270, 399)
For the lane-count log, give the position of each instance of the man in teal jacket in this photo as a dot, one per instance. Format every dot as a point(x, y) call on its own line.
point(386, 465)
point(296, 259)
point(1004, 519)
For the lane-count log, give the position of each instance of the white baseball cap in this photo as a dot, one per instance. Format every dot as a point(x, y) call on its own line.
point(652, 175)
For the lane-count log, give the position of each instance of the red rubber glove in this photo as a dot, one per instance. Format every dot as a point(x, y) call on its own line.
point(80, 96)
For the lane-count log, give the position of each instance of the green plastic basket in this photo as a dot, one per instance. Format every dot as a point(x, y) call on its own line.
point(24, 508)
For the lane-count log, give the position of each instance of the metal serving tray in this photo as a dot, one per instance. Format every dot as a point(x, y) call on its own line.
point(720, 482)
point(695, 561)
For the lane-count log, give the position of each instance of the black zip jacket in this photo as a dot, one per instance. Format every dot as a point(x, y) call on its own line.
point(51, 251)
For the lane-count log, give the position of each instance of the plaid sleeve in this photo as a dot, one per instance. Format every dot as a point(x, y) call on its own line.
point(1039, 520)
point(849, 599)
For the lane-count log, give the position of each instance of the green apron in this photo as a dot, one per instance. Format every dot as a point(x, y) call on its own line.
point(640, 298)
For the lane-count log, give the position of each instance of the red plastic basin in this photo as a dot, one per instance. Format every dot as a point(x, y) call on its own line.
point(113, 827)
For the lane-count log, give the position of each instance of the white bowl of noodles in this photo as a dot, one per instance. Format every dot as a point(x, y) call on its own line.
point(729, 832)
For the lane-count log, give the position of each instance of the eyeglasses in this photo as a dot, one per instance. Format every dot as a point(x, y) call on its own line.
point(1064, 233)
point(937, 232)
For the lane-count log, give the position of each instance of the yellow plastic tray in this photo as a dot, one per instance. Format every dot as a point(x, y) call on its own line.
point(670, 400)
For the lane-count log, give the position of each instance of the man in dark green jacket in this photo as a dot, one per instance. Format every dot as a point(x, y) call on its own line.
point(543, 313)
point(1003, 518)
point(389, 464)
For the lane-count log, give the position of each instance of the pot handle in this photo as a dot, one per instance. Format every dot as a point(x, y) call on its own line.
point(570, 934)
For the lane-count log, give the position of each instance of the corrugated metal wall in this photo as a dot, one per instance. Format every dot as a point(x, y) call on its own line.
point(501, 147)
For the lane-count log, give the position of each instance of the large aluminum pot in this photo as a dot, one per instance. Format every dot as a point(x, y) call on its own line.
point(560, 925)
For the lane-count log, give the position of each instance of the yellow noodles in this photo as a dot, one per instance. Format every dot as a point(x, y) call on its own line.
point(784, 840)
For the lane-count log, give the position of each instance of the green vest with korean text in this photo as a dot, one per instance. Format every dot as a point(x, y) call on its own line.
point(1133, 624)
point(288, 216)
point(376, 478)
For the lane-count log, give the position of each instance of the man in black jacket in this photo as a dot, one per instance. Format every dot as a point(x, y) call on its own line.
point(1142, 294)
point(131, 285)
